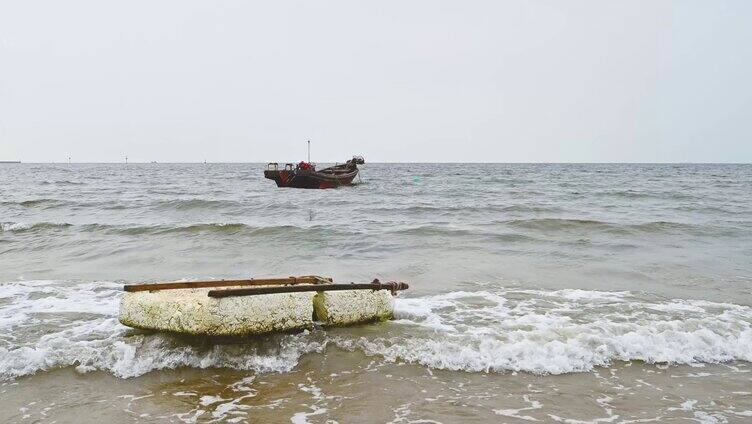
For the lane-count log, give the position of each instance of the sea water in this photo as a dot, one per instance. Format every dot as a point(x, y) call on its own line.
point(538, 292)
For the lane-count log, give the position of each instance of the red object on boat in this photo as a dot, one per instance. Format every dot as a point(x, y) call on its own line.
point(305, 175)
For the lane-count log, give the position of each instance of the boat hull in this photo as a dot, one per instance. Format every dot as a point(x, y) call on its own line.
point(309, 179)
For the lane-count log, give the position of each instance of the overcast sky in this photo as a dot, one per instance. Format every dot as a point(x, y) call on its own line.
point(394, 81)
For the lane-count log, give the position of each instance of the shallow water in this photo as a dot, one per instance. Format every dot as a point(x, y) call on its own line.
point(595, 293)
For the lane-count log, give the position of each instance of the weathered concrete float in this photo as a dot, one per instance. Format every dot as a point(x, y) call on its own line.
point(255, 306)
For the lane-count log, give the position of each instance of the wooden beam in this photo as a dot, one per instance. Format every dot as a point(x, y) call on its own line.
point(253, 291)
point(307, 279)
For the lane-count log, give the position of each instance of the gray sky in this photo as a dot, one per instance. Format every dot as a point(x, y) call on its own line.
point(395, 81)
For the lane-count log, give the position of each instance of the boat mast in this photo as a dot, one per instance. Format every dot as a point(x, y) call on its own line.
point(309, 151)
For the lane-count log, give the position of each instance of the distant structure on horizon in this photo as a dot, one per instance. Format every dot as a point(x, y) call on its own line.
point(10, 161)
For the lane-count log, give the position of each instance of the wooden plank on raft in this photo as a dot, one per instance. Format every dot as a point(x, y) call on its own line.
point(307, 279)
point(253, 291)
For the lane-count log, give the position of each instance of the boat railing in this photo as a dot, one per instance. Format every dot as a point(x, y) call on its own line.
point(289, 167)
point(272, 166)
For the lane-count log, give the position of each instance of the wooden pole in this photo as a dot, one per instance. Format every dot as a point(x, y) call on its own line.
point(253, 291)
point(308, 279)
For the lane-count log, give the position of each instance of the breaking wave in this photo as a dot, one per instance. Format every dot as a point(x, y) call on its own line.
point(536, 331)
point(102, 345)
point(79, 328)
point(555, 332)
point(38, 226)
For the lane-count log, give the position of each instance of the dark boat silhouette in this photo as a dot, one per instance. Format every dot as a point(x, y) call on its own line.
point(305, 175)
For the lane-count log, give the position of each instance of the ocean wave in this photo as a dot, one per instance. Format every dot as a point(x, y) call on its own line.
point(547, 224)
point(51, 204)
point(37, 203)
point(431, 230)
point(90, 337)
point(62, 182)
point(535, 331)
point(434, 210)
point(168, 229)
point(560, 332)
point(102, 345)
point(190, 204)
point(219, 227)
point(665, 226)
point(448, 232)
point(25, 227)
point(427, 230)
point(560, 224)
point(637, 194)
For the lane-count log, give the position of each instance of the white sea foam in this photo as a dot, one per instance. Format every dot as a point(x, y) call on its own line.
point(302, 417)
point(79, 328)
point(14, 226)
point(47, 325)
point(583, 295)
point(517, 413)
point(454, 331)
point(28, 298)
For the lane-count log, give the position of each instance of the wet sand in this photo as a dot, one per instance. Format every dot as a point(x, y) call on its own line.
point(347, 386)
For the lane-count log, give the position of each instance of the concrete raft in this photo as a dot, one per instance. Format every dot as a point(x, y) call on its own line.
point(191, 311)
point(339, 308)
point(249, 307)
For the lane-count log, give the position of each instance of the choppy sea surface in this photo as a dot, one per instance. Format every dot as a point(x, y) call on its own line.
point(539, 292)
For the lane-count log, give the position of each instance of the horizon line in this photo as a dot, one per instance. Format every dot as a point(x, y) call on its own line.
point(11, 162)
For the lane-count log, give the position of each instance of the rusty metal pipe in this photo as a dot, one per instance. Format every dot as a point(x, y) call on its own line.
point(252, 291)
point(306, 279)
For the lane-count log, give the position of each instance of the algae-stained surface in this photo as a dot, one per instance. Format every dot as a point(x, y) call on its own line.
point(337, 308)
point(191, 311)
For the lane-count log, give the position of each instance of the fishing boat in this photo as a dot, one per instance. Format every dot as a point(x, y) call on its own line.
point(305, 174)
point(255, 306)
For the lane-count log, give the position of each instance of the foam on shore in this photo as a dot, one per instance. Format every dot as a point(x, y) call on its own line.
point(51, 324)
